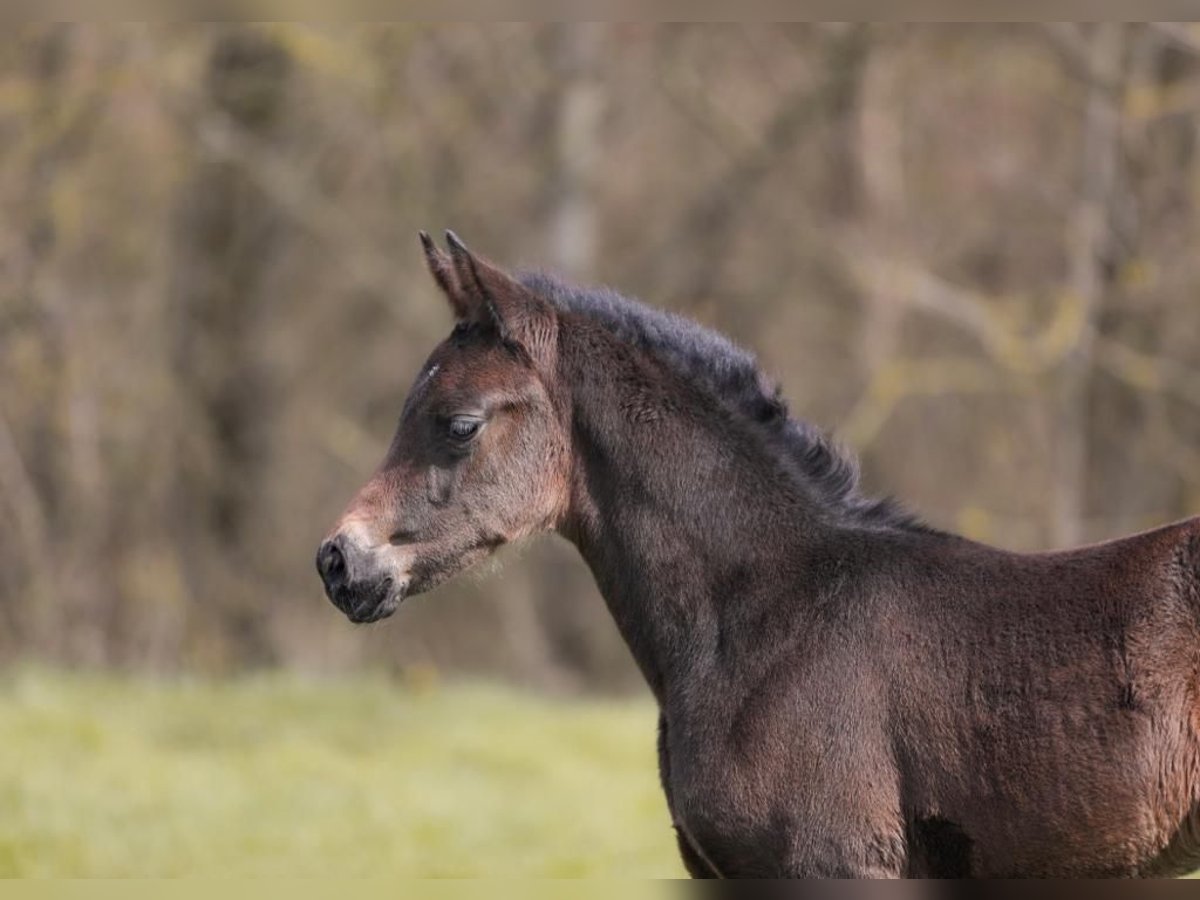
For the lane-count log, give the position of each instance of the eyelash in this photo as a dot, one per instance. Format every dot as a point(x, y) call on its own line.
point(463, 428)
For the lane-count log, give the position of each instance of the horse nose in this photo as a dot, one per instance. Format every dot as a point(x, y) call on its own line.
point(331, 564)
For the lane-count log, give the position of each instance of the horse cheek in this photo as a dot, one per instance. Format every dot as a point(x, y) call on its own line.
point(440, 484)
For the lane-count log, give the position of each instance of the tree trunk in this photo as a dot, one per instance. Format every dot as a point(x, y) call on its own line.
point(575, 54)
point(228, 233)
point(1090, 236)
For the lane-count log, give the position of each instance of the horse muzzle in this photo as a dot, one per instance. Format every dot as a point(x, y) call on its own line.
point(356, 584)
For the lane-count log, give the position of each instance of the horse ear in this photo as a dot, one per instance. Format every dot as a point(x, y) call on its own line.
point(442, 270)
point(499, 301)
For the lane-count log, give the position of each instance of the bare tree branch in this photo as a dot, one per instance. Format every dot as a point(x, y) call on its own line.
point(901, 379)
point(973, 313)
point(1184, 35)
point(1144, 372)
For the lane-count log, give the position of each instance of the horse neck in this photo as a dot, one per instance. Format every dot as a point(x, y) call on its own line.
point(679, 510)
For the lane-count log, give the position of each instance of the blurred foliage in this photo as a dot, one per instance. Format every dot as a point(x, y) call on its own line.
point(284, 777)
point(969, 250)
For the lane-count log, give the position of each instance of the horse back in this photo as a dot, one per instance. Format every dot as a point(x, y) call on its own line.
point(1049, 700)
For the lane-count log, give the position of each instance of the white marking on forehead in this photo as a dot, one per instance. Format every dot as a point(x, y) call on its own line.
point(422, 385)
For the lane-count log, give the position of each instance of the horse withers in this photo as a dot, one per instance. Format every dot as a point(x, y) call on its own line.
point(844, 691)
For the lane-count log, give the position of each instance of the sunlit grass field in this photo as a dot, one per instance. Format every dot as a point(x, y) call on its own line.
point(275, 776)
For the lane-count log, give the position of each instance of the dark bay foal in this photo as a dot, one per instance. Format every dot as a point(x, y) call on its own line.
point(844, 691)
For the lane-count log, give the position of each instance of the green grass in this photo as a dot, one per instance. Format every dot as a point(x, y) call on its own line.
point(273, 776)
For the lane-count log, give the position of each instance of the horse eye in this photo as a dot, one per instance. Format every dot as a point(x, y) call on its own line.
point(463, 428)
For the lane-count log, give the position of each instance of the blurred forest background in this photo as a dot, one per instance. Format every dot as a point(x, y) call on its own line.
point(969, 251)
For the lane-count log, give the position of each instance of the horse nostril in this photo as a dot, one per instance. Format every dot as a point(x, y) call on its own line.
point(331, 564)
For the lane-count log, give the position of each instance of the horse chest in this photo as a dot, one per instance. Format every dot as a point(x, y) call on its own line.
point(727, 810)
point(774, 805)
point(730, 836)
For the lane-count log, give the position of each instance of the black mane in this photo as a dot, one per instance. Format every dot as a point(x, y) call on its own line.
point(734, 377)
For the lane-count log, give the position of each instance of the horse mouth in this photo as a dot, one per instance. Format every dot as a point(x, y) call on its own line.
point(375, 605)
